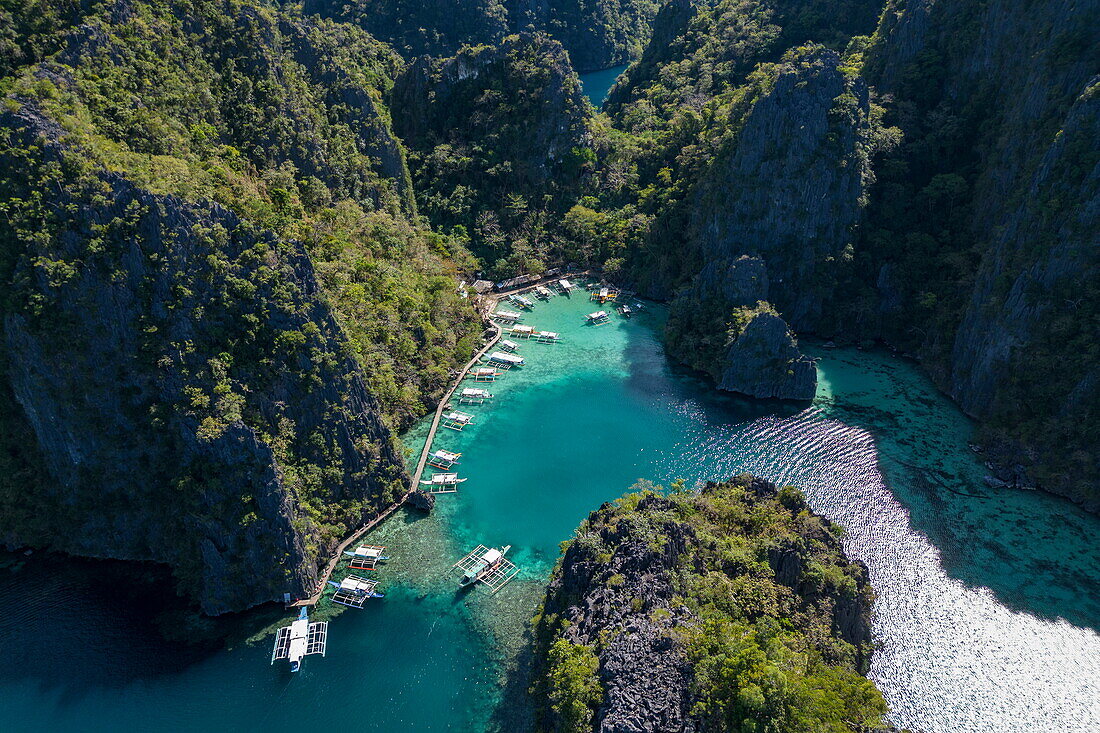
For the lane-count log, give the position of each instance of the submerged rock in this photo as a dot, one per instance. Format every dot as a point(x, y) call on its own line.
point(764, 361)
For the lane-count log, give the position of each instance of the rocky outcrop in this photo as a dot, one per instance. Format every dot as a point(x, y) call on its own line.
point(770, 221)
point(630, 589)
point(791, 189)
point(597, 34)
point(189, 392)
point(499, 140)
point(764, 361)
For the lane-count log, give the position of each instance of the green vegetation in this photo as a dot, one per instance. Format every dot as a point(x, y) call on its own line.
point(597, 33)
point(217, 293)
point(750, 588)
point(498, 139)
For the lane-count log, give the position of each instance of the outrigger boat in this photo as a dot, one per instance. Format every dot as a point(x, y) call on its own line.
point(366, 557)
point(474, 396)
point(542, 293)
point(507, 345)
point(604, 295)
point(504, 360)
point(508, 316)
point(566, 286)
point(597, 318)
point(486, 565)
point(547, 337)
point(299, 640)
point(354, 591)
point(521, 301)
point(523, 332)
point(443, 459)
point(443, 483)
point(625, 311)
point(457, 420)
point(483, 374)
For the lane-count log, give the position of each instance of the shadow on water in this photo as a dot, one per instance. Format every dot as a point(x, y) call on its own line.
point(1035, 552)
point(54, 606)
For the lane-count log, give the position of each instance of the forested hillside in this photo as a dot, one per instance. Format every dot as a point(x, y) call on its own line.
point(596, 33)
point(218, 301)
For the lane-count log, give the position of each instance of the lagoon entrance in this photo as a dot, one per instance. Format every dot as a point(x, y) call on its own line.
point(988, 604)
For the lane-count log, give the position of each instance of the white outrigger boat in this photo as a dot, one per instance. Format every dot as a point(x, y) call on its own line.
point(366, 557)
point(566, 286)
point(522, 302)
point(504, 360)
point(547, 337)
point(542, 293)
point(597, 318)
point(299, 640)
point(508, 316)
point(483, 374)
point(523, 332)
point(507, 345)
point(473, 396)
point(354, 590)
point(443, 483)
point(457, 420)
point(443, 459)
point(486, 565)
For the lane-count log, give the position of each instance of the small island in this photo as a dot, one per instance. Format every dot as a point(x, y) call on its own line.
point(733, 608)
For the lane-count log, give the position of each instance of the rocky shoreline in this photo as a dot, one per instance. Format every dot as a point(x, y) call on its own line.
point(653, 588)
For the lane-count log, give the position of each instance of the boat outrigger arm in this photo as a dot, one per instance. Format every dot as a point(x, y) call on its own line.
point(487, 566)
point(299, 640)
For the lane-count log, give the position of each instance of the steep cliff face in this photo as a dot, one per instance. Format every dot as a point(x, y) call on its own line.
point(982, 237)
point(772, 219)
point(184, 382)
point(498, 139)
point(791, 189)
point(175, 383)
point(659, 604)
point(596, 34)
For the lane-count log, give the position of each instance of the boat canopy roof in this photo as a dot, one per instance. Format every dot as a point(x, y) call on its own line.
point(523, 329)
point(509, 344)
point(491, 555)
point(368, 551)
point(565, 283)
point(548, 334)
point(508, 314)
point(597, 314)
point(458, 416)
point(505, 357)
point(446, 455)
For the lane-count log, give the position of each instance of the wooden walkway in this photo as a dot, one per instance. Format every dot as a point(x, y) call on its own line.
point(491, 301)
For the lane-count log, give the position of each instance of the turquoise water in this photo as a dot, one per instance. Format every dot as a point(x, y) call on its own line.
point(988, 604)
point(598, 83)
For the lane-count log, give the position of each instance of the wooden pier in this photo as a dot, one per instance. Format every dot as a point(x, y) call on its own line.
point(491, 303)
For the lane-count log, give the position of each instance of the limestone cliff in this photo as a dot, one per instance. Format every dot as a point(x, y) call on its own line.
point(597, 34)
point(771, 219)
point(498, 139)
point(982, 242)
point(181, 375)
point(655, 598)
point(175, 385)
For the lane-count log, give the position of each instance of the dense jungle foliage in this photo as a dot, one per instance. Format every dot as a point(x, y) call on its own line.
point(744, 583)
